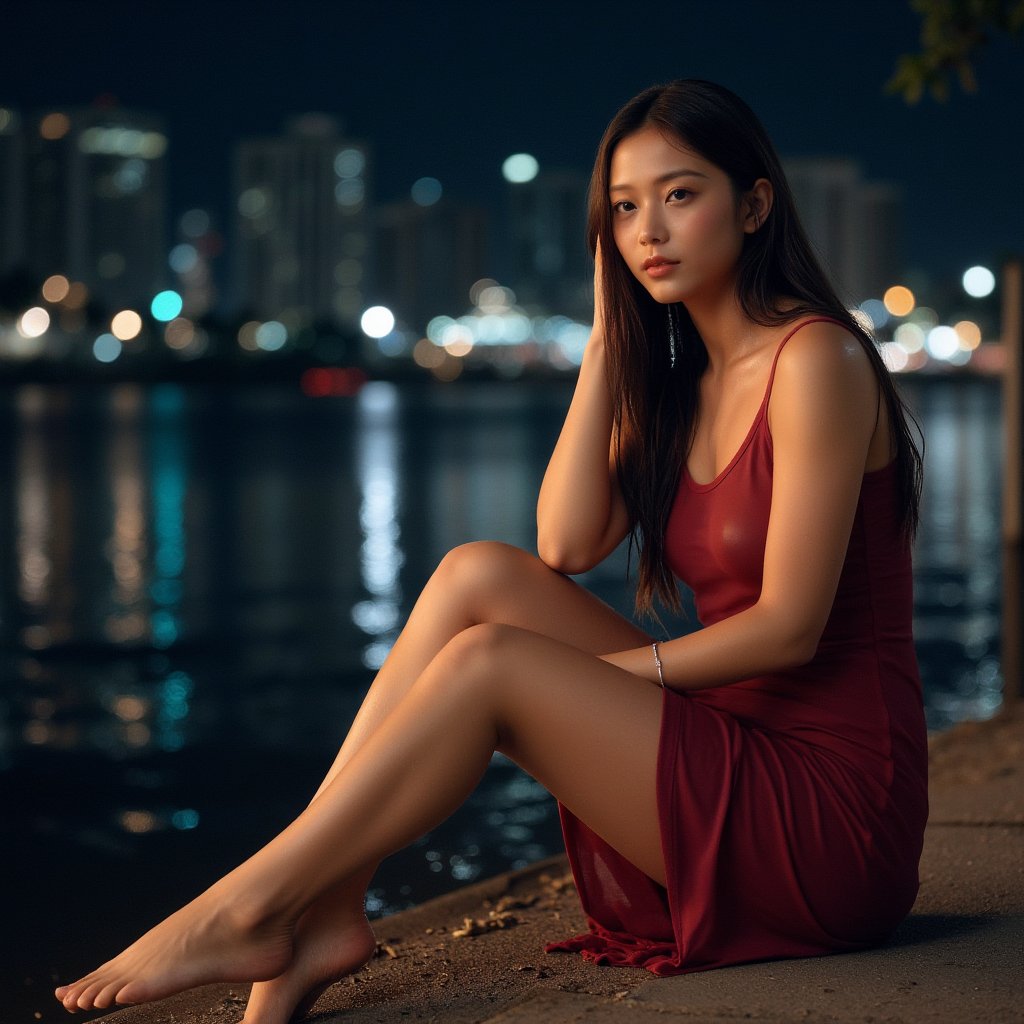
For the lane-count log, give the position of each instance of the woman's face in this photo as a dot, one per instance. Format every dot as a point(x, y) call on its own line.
point(675, 218)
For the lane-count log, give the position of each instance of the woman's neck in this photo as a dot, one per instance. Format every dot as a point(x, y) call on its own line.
point(727, 332)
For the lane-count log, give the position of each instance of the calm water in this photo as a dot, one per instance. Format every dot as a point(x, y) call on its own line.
point(196, 585)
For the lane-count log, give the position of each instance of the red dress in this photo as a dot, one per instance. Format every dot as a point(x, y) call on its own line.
point(792, 806)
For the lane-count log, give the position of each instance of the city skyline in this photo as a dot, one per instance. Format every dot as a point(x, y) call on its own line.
point(438, 94)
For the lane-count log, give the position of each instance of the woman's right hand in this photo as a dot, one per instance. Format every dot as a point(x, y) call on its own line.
point(581, 516)
point(598, 293)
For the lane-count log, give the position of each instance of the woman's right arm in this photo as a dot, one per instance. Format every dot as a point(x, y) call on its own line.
point(581, 515)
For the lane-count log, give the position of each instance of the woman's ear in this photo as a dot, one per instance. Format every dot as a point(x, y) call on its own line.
point(758, 204)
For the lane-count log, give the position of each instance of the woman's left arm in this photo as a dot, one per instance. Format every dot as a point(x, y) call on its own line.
point(822, 415)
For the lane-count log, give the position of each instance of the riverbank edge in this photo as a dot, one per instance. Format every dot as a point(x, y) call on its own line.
point(476, 954)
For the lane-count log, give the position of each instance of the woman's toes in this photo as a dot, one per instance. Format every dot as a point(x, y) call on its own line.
point(87, 997)
point(106, 995)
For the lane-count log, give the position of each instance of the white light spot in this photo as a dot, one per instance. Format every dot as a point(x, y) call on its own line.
point(520, 168)
point(377, 322)
point(33, 322)
point(942, 342)
point(979, 282)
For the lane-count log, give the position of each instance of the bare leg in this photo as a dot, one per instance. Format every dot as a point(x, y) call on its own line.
point(547, 705)
point(476, 583)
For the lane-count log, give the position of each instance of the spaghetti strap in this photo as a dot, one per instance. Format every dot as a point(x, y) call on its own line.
point(782, 345)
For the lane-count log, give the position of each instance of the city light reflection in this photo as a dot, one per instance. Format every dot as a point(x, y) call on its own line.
point(381, 556)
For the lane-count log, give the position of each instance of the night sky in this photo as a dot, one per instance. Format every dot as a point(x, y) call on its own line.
point(450, 89)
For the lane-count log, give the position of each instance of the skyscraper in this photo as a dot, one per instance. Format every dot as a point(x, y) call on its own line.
point(428, 258)
point(855, 225)
point(302, 240)
point(12, 190)
point(96, 201)
point(550, 268)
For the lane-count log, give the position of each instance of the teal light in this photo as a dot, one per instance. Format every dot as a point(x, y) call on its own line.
point(166, 306)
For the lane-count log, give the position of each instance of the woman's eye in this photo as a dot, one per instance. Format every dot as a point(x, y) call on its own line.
point(679, 193)
point(622, 206)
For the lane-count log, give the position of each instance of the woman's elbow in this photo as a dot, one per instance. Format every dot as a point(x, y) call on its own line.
point(799, 647)
point(563, 557)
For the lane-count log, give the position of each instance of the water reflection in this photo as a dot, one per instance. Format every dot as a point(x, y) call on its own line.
point(199, 583)
point(957, 559)
point(380, 557)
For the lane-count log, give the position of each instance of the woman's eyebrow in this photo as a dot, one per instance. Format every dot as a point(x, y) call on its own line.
point(682, 173)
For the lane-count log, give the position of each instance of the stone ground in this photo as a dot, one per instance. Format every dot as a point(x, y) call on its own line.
point(477, 955)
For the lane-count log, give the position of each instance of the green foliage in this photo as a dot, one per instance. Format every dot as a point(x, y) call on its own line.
point(952, 32)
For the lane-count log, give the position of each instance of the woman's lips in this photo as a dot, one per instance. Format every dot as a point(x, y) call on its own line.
point(659, 267)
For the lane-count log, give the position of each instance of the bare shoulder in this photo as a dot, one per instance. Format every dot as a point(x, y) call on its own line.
point(825, 359)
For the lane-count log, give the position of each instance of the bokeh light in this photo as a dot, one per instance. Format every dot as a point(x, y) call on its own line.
point(34, 322)
point(253, 202)
point(910, 337)
point(55, 288)
point(876, 312)
point(77, 296)
point(106, 348)
point(377, 322)
point(520, 168)
point(349, 163)
point(942, 342)
point(969, 334)
point(979, 282)
point(166, 306)
point(899, 300)
point(179, 333)
point(126, 325)
point(271, 336)
point(183, 258)
point(54, 126)
point(247, 335)
point(349, 191)
point(426, 191)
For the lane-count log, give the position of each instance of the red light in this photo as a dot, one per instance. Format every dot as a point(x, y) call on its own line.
point(332, 381)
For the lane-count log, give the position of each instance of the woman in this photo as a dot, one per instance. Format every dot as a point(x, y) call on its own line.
point(754, 789)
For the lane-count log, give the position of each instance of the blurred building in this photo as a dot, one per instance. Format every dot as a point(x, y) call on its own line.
point(301, 238)
point(95, 201)
point(549, 267)
point(429, 254)
point(855, 225)
point(12, 190)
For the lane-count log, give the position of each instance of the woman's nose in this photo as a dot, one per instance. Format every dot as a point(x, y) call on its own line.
point(652, 231)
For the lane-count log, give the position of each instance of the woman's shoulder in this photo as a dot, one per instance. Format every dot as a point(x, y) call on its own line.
point(818, 343)
point(824, 351)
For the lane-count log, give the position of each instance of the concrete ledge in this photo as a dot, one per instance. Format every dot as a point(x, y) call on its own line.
point(956, 958)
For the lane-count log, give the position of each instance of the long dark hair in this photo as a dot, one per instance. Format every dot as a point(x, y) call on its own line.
point(654, 352)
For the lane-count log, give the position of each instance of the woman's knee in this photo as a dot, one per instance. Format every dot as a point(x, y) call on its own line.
point(471, 660)
point(477, 572)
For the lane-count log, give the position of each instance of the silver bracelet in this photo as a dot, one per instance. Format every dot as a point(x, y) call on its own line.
point(657, 661)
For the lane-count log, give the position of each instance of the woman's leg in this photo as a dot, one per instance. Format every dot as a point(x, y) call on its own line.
point(547, 705)
point(476, 583)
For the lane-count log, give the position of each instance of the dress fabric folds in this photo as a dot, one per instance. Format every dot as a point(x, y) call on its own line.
point(792, 806)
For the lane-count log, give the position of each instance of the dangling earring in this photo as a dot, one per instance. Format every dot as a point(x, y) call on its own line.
point(673, 337)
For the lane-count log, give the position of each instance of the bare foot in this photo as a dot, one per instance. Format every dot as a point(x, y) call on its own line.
point(330, 942)
point(207, 940)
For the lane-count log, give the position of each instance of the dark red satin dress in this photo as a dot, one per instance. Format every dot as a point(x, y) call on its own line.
point(792, 806)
